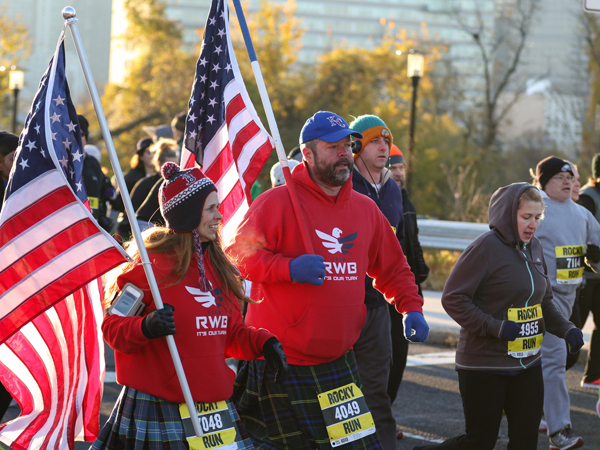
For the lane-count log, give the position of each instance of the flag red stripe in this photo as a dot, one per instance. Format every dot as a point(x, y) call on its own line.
point(231, 202)
point(235, 105)
point(69, 283)
point(48, 250)
point(253, 170)
point(46, 330)
point(93, 345)
point(244, 135)
point(25, 351)
point(220, 165)
point(35, 212)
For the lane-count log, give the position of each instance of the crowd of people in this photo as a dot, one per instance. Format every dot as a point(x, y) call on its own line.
point(322, 335)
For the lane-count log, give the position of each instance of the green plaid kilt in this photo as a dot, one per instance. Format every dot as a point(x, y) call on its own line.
point(144, 422)
point(288, 416)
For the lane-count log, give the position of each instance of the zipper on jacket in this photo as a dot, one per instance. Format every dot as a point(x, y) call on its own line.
point(532, 290)
point(530, 277)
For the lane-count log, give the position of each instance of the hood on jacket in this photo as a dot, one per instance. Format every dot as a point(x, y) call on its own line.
point(502, 212)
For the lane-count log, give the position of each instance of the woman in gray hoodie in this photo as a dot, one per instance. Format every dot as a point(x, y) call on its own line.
point(499, 294)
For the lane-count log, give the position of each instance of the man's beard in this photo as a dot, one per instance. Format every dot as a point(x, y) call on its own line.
point(329, 175)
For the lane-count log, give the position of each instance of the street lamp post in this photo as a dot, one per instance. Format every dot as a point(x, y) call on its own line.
point(416, 67)
point(15, 84)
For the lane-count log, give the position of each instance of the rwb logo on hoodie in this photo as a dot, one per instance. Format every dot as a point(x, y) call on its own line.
point(336, 243)
point(215, 323)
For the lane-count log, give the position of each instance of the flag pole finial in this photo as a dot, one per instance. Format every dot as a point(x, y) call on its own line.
point(69, 12)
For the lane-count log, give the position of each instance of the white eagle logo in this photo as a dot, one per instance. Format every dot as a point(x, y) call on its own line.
point(335, 243)
point(206, 298)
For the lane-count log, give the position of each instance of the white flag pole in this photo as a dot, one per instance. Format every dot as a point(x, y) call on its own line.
point(69, 15)
point(264, 96)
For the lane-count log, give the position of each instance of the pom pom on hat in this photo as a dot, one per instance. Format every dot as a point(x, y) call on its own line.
point(169, 170)
point(182, 196)
point(371, 127)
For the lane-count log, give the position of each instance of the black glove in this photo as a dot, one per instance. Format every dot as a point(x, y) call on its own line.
point(510, 331)
point(593, 253)
point(159, 322)
point(276, 359)
point(575, 340)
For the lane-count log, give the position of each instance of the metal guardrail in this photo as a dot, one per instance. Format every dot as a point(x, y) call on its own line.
point(449, 235)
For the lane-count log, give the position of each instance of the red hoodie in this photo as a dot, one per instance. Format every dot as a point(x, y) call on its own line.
point(318, 324)
point(209, 329)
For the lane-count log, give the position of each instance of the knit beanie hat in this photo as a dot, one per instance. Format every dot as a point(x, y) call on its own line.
point(596, 166)
point(370, 127)
point(8, 143)
point(182, 196)
point(396, 156)
point(549, 167)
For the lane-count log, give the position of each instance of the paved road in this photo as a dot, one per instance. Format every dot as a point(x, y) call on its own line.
point(428, 404)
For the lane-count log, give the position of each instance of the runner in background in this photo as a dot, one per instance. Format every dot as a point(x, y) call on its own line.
point(499, 294)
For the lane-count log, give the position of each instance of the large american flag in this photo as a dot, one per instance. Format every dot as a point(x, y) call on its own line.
point(223, 132)
point(51, 249)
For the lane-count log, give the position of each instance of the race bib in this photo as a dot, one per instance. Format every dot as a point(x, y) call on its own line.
point(94, 202)
point(346, 414)
point(569, 264)
point(217, 426)
point(529, 342)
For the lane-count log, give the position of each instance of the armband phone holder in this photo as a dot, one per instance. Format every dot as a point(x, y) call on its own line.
point(128, 302)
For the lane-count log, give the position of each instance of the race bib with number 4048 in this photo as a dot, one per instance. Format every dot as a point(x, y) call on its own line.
point(216, 423)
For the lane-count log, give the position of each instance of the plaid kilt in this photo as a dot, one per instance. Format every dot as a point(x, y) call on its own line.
point(288, 416)
point(144, 422)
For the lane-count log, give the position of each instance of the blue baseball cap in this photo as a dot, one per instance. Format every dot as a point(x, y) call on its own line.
point(326, 126)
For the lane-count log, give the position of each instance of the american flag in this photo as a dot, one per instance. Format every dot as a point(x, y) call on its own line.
point(223, 132)
point(51, 249)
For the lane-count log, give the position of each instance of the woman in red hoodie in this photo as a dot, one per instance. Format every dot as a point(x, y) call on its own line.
point(201, 290)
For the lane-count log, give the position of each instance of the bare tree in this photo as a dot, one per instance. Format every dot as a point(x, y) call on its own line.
point(469, 200)
point(501, 46)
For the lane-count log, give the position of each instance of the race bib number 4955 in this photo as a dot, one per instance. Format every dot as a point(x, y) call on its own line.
point(529, 341)
point(569, 264)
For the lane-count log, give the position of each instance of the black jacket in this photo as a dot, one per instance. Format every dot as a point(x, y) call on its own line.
point(410, 243)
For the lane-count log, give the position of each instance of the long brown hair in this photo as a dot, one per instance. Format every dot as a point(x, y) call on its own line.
point(181, 246)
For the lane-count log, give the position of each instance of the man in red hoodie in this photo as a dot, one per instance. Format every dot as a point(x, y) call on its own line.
point(314, 303)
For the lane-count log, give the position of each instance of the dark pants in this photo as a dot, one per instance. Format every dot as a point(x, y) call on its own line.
point(572, 358)
point(484, 396)
point(399, 353)
point(590, 301)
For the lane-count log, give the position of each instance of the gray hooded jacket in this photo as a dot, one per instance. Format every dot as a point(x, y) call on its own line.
point(497, 272)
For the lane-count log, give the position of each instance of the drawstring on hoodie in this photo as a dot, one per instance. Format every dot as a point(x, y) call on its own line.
point(532, 285)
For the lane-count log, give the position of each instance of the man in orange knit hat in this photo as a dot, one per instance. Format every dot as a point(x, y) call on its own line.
point(414, 256)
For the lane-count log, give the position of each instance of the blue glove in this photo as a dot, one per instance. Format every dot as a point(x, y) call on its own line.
point(415, 327)
point(575, 340)
point(510, 331)
point(308, 269)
